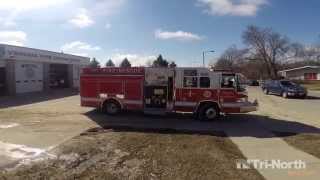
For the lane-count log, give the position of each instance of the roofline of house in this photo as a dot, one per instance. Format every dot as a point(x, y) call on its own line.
point(303, 67)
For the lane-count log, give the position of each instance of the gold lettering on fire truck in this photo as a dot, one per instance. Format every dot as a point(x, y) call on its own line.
point(207, 94)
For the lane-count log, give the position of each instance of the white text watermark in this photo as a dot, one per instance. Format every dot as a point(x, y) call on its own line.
point(270, 164)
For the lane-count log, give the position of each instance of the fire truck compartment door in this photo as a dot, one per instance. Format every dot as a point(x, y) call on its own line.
point(156, 96)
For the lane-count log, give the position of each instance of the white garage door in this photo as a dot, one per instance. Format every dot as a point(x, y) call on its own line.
point(29, 77)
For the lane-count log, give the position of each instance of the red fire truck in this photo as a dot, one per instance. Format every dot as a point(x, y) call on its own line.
point(200, 91)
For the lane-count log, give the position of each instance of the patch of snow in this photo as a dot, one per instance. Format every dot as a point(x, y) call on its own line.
point(69, 157)
point(25, 155)
point(42, 157)
point(6, 126)
point(17, 151)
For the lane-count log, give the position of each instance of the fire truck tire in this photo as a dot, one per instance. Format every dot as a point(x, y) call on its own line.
point(111, 107)
point(208, 112)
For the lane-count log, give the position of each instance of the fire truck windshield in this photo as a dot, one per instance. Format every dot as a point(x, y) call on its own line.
point(241, 83)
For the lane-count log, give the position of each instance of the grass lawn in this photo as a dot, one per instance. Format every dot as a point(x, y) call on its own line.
point(139, 155)
point(311, 85)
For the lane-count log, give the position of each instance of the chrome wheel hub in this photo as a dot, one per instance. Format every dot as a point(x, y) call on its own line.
point(211, 113)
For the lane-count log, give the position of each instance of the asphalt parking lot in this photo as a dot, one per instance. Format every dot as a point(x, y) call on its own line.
point(31, 128)
point(299, 110)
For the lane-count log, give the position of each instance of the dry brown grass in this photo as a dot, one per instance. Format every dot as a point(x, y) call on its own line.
point(310, 85)
point(133, 155)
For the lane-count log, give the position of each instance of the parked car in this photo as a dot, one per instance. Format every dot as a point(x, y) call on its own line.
point(254, 83)
point(284, 88)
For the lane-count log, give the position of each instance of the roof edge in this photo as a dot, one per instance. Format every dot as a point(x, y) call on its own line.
point(303, 67)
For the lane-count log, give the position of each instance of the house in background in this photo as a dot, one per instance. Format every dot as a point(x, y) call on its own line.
point(302, 73)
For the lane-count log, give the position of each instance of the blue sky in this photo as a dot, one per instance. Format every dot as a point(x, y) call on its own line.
point(141, 29)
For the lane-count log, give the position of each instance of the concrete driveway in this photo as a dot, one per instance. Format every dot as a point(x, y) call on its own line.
point(28, 130)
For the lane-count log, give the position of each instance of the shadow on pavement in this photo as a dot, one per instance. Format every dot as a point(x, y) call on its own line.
point(312, 98)
point(30, 98)
point(240, 125)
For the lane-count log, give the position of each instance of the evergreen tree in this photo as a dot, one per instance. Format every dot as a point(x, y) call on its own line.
point(125, 63)
point(110, 63)
point(172, 64)
point(94, 63)
point(160, 62)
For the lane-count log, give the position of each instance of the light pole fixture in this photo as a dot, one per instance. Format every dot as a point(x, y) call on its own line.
point(203, 56)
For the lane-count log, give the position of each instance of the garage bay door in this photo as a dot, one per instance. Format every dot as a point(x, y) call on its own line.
point(29, 77)
point(59, 76)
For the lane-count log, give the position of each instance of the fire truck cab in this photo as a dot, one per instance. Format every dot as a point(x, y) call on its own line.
point(201, 91)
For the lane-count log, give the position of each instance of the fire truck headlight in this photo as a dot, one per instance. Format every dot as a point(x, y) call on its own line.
point(240, 100)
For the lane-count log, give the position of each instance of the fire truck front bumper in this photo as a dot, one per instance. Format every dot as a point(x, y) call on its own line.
point(240, 107)
point(247, 107)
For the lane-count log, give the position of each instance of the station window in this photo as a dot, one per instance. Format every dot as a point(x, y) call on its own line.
point(204, 82)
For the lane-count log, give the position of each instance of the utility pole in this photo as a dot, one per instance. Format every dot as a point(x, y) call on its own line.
point(204, 58)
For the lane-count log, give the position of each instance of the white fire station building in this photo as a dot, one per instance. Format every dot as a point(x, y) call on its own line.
point(24, 70)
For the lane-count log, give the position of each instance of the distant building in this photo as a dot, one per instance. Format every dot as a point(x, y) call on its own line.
point(24, 70)
point(302, 73)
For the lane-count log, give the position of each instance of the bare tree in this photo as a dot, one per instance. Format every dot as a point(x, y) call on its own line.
point(231, 59)
point(302, 55)
point(267, 46)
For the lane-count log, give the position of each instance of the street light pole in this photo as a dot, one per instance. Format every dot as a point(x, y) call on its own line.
point(203, 57)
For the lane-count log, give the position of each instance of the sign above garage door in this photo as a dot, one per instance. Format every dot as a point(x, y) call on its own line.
point(29, 54)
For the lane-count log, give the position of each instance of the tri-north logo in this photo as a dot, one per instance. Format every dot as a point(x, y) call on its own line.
point(270, 164)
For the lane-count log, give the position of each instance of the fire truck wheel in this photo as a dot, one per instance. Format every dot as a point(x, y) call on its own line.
point(111, 107)
point(208, 112)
